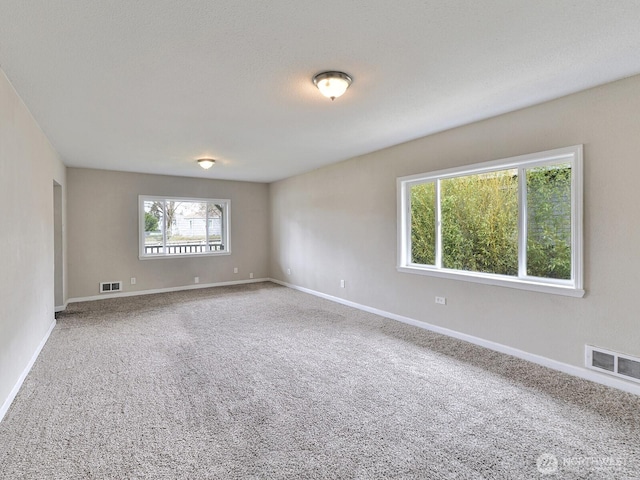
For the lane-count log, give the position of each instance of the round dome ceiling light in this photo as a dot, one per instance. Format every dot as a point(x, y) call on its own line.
point(332, 84)
point(206, 163)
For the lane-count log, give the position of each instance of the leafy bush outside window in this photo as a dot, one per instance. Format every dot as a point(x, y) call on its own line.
point(515, 222)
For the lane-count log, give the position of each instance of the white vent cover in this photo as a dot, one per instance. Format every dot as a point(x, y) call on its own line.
point(613, 363)
point(110, 287)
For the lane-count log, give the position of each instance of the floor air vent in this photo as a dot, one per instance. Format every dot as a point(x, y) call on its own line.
point(109, 287)
point(618, 364)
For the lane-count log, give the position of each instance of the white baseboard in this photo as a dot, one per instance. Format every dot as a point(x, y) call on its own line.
point(163, 290)
point(16, 388)
point(61, 308)
point(581, 372)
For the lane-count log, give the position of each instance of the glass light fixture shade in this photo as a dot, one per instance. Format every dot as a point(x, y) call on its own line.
point(206, 163)
point(332, 84)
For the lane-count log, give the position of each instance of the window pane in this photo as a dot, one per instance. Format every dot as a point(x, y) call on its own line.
point(423, 223)
point(215, 226)
point(549, 221)
point(480, 222)
point(185, 224)
point(153, 223)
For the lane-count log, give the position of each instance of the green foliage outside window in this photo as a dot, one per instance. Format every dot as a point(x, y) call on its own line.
point(150, 222)
point(480, 223)
point(479, 216)
point(423, 223)
point(549, 219)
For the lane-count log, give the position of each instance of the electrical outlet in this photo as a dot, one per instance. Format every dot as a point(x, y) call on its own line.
point(196, 279)
point(251, 275)
point(341, 283)
point(441, 300)
point(133, 280)
point(235, 269)
point(288, 271)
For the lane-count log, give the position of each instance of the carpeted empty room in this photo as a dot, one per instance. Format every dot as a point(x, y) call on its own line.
point(262, 381)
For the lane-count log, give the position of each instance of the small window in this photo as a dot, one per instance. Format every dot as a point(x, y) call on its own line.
point(515, 222)
point(171, 227)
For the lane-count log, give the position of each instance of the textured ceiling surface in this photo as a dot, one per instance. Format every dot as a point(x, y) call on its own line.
point(151, 85)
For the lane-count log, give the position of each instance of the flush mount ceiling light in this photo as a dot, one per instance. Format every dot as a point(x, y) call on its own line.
point(206, 163)
point(332, 84)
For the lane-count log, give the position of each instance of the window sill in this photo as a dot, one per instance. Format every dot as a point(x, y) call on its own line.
point(497, 280)
point(184, 255)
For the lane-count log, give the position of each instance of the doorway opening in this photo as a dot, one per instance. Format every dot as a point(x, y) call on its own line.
point(58, 289)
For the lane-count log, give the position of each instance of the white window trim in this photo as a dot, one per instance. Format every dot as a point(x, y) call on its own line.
point(572, 288)
point(226, 239)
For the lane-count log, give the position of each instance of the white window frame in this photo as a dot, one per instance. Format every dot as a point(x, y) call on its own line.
point(226, 235)
point(572, 287)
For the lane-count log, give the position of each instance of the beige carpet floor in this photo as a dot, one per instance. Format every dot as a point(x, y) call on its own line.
point(261, 382)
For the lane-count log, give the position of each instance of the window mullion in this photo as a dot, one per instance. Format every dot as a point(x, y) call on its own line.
point(438, 226)
point(206, 227)
point(225, 225)
point(407, 230)
point(522, 222)
point(164, 229)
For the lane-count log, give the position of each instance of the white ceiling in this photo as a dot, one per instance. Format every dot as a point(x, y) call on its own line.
point(151, 85)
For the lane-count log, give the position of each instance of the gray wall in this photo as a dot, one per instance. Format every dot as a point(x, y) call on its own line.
point(103, 232)
point(28, 168)
point(339, 222)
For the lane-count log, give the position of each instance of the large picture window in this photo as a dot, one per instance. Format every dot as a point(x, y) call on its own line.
point(515, 222)
point(173, 226)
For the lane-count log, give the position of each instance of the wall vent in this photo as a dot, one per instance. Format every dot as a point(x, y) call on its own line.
point(613, 363)
point(110, 287)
